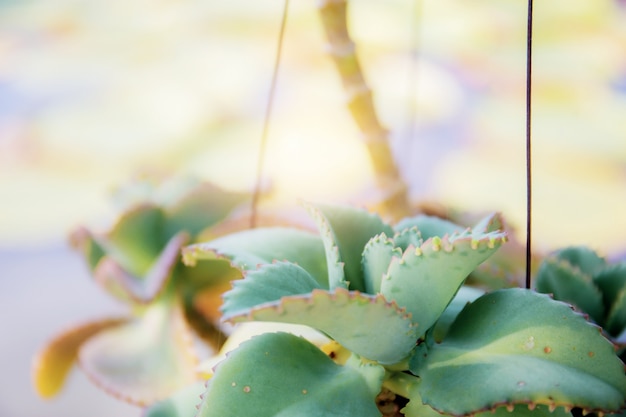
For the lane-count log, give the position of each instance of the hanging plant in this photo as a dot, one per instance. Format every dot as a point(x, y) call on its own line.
point(579, 276)
point(149, 354)
point(387, 301)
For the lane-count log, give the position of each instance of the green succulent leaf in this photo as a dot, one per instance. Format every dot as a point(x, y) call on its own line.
point(182, 403)
point(335, 264)
point(266, 285)
point(611, 281)
point(345, 231)
point(371, 372)
point(582, 258)
point(616, 319)
point(525, 411)
point(281, 375)
point(250, 248)
point(367, 325)
point(425, 279)
point(145, 360)
point(521, 347)
point(415, 408)
point(136, 239)
point(128, 287)
point(200, 207)
point(490, 223)
point(408, 237)
point(408, 387)
point(83, 240)
point(507, 267)
point(202, 288)
point(461, 299)
point(206, 275)
point(429, 226)
point(377, 255)
point(569, 283)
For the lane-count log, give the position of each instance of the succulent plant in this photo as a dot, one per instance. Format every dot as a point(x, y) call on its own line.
point(149, 354)
point(401, 324)
point(578, 275)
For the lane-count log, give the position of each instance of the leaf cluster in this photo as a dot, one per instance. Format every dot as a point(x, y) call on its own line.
point(392, 302)
point(578, 275)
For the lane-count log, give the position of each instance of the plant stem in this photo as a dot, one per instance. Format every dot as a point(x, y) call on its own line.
point(401, 383)
point(395, 202)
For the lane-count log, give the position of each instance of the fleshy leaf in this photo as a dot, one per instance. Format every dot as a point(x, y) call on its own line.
point(83, 240)
point(568, 283)
point(521, 347)
point(265, 285)
point(281, 375)
point(507, 267)
point(367, 325)
point(408, 386)
point(425, 279)
point(616, 319)
point(127, 287)
point(182, 403)
point(136, 239)
point(250, 248)
point(371, 372)
point(335, 265)
point(202, 206)
point(202, 288)
point(208, 300)
point(205, 328)
point(611, 281)
point(204, 275)
point(582, 258)
point(429, 226)
point(490, 223)
point(54, 362)
point(345, 231)
point(145, 360)
point(375, 261)
point(408, 237)
point(416, 409)
point(525, 411)
point(461, 299)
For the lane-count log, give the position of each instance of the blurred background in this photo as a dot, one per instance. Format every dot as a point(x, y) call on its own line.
point(93, 93)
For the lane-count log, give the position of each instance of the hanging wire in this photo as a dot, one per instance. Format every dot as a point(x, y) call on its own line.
point(529, 50)
point(266, 121)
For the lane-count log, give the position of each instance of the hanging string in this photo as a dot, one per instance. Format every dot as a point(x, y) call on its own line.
point(529, 50)
point(266, 121)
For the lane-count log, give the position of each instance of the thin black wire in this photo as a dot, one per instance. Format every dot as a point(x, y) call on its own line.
point(529, 50)
point(266, 121)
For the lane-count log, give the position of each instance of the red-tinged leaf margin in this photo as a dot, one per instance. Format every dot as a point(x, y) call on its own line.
point(53, 363)
point(145, 360)
point(521, 347)
point(368, 325)
point(122, 284)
